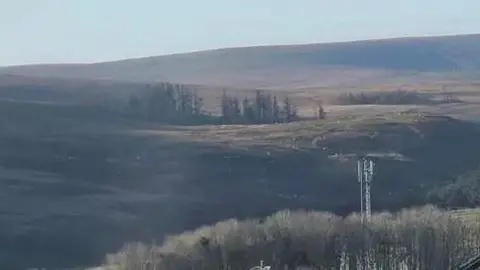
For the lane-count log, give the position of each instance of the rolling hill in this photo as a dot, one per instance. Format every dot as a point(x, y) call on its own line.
point(79, 181)
point(286, 67)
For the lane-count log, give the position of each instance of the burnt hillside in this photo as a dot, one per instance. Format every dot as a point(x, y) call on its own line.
point(76, 175)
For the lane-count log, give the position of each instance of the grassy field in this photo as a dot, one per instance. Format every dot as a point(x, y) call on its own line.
point(299, 135)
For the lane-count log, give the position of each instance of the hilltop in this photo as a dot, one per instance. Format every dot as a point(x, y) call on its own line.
point(333, 65)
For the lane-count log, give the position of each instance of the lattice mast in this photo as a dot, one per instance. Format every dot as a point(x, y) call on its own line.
point(365, 167)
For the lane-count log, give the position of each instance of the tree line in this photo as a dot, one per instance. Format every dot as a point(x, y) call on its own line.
point(264, 108)
point(167, 102)
point(463, 192)
point(398, 97)
point(179, 104)
point(421, 238)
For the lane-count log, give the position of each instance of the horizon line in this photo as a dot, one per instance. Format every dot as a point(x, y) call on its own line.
point(243, 47)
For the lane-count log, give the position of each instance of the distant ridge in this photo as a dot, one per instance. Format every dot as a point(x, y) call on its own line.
point(286, 66)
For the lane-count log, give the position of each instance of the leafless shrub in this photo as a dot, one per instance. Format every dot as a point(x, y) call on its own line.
point(420, 238)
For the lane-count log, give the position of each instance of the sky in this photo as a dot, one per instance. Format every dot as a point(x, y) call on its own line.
point(79, 31)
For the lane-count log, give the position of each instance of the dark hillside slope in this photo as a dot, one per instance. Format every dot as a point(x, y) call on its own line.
point(76, 183)
point(273, 66)
point(62, 91)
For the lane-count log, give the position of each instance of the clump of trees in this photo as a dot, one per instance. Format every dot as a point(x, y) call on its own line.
point(263, 109)
point(463, 192)
point(398, 97)
point(421, 238)
point(171, 103)
point(179, 104)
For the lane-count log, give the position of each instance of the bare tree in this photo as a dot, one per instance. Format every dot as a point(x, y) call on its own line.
point(421, 238)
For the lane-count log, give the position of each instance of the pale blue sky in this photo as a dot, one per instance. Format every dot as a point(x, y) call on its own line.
point(40, 31)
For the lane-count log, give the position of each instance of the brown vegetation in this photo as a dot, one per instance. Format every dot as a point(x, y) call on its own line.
point(420, 238)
